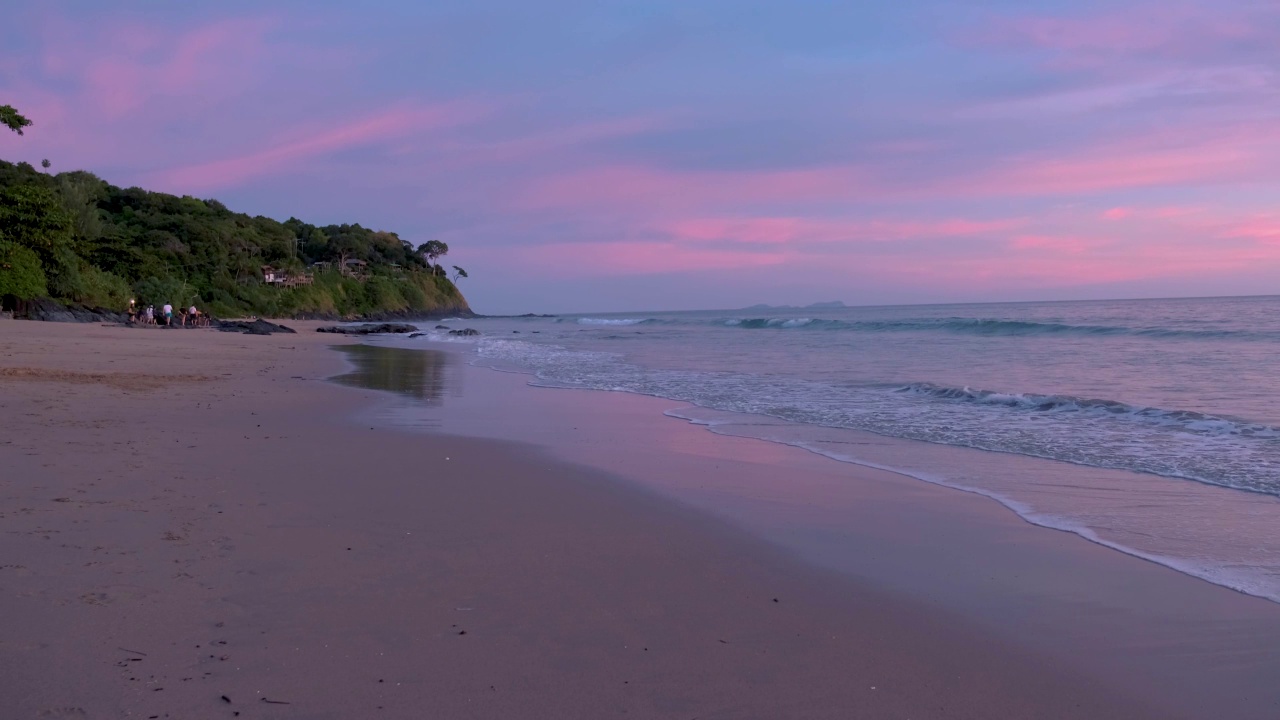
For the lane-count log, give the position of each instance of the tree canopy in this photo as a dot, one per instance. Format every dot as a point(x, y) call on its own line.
point(98, 244)
point(12, 119)
point(20, 273)
point(432, 249)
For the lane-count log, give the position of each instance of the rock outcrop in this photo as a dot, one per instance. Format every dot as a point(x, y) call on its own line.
point(251, 327)
point(369, 329)
point(53, 311)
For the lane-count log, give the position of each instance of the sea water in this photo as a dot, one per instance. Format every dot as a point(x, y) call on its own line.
point(1149, 426)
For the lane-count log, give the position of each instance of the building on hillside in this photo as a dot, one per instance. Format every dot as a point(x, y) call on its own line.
point(354, 268)
point(284, 278)
point(297, 279)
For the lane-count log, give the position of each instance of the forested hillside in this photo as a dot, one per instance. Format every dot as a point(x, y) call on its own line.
point(80, 240)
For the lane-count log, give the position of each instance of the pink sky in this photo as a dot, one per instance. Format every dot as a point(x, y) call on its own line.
point(700, 158)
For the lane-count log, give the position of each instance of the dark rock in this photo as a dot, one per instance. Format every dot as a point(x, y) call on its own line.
point(50, 310)
point(465, 331)
point(251, 327)
point(450, 310)
point(414, 335)
point(369, 329)
point(442, 327)
point(456, 309)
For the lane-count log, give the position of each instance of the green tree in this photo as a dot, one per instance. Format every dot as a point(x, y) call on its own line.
point(458, 273)
point(32, 216)
point(10, 118)
point(432, 249)
point(80, 193)
point(158, 291)
point(97, 243)
point(20, 272)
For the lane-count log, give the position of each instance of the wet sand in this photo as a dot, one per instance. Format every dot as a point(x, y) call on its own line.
point(195, 526)
point(1169, 638)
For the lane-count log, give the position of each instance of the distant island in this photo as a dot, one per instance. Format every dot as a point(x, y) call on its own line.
point(814, 306)
point(87, 244)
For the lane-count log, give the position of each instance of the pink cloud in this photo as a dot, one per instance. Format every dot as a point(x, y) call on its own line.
point(1056, 243)
point(99, 93)
point(284, 157)
point(536, 145)
point(781, 230)
point(1186, 155)
point(1164, 212)
point(631, 258)
point(747, 230)
point(657, 190)
point(124, 68)
point(1156, 244)
point(1264, 229)
point(1180, 227)
point(1170, 28)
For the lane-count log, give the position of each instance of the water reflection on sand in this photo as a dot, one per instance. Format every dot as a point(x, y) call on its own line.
point(424, 375)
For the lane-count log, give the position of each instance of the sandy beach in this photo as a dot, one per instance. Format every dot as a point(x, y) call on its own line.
point(196, 524)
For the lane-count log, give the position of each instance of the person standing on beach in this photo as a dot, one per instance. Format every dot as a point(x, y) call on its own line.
point(150, 315)
point(168, 314)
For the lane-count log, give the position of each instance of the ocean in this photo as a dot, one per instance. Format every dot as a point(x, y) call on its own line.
point(1148, 426)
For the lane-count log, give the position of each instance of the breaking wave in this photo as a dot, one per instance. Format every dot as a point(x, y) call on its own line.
point(613, 321)
point(1187, 420)
point(991, 326)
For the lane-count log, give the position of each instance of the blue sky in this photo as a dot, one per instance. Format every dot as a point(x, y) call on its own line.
point(661, 155)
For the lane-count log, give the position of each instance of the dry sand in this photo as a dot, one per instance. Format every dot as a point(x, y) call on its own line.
point(194, 527)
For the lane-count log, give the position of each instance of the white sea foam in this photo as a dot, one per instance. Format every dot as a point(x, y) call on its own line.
point(1263, 582)
point(611, 321)
point(1172, 390)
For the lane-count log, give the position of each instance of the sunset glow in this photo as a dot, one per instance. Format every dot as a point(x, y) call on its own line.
point(702, 155)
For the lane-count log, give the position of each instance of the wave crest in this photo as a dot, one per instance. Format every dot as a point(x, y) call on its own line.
point(989, 327)
point(613, 321)
point(1188, 420)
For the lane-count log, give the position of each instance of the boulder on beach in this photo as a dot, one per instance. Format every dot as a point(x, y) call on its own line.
point(465, 331)
point(251, 327)
point(369, 329)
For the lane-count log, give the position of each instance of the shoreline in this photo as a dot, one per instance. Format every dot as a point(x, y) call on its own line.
point(1021, 510)
point(218, 512)
point(1115, 477)
point(741, 424)
point(961, 552)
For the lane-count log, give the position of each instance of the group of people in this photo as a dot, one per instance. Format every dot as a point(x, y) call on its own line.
point(148, 316)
